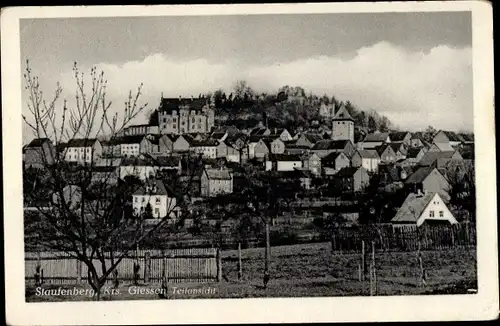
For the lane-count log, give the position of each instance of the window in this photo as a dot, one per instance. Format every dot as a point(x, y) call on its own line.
point(431, 213)
point(143, 199)
point(164, 120)
point(157, 212)
point(158, 200)
point(136, 199)
point(441, 214)
point(175, 126)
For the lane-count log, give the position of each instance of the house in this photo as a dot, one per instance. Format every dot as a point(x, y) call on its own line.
point(237, 147)
point(432, 158)
point(275, 145)
point(39, 153)
point(143, 129)
point(182, 143)
point(106, 174)
point(449, 137)
point(205, 148)
point(428, 179)
point(333, 162)
point(282, 134)
point(369, 159)
point(139, 167)
point(158, 196)
point(376, 139)
point(352, 179)
point(260, 130)
point(401, 136)
point(81, 150)
point(301, 174)
point(169, 163)
point(135, 145)
point(420, 209)
point(325, 147)
point(441, 147)
point(415, 154)
point(467, 138)
point(221, 150)
point(392, 176)
point(467, 151)
point(417, 140)
point(356, 159)
point(292, 148)
point(185, 115)
point(312, 162)
point(400, 149)
point(308, 140)
point(282, 162)
point(260, 149)
point(216, 182)
point(386, 153)
point(165, 144)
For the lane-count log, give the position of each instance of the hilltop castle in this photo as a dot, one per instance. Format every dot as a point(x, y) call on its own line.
point(184, 115)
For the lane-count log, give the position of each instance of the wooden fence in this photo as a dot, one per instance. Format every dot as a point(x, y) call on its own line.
point(388, 238)
point(178, 265)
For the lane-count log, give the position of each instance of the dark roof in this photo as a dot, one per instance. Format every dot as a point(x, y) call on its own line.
point(168, 160)
point(398, 136)
point(419, 175)
point(104, 169)
point(381, 149)
point(467, 152)
point(347, 172)
point(132, 139)
point(258, 131)
point(284, 157)
point(218, 135)
point(413, 152)
point(430, 157)
point(313, 138)
point(187, 137)
point(376, 137)
point(37, 142)
point(413, 207)
point(160, 188)
point(81, 142)
point(332, 156)
point(365, 153)
point(170, 104)
point(137, 161)
point(342, 114)
point(467, 137)
point(417, 135)
point(330, 144)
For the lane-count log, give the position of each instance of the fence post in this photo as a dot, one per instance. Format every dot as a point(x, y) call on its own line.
point(240, 270)
point(165, 270)
point(147, 266)
point(363, 262)
point(421, 267)
point(219, 265)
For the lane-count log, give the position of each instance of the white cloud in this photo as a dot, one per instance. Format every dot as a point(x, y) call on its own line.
point(413, 89)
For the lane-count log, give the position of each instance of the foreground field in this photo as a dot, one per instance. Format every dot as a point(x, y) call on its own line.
point(311, 270)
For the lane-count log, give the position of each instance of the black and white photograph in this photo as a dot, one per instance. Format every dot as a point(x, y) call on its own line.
point(170, 155)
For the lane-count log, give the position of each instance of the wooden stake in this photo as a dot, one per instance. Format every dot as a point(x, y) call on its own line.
point(363, 262)
point(147, 266)
point(219, 265)
point(240, 271)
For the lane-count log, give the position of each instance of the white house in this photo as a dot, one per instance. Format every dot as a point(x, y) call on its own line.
point(155, 194)
point(369, 159)
point(143, 169)
point(420, 208)
point(376, 139)
point(215, 182)
point(207, 148)
point(83, 150)
point(283, 162)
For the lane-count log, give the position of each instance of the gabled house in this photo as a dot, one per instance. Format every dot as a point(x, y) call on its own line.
point(356, 159)
point(39, 153)
point(333, 162)
point(182, 143)
point(428, 179)
point(441, 147)
point(142, 168)
point(369, 159)
point(467, 138)
point(417, 140)
point(292, 148)
point(420, 209)
point(312, 162)
point(325, 147)
point(275, 145)
point(216, 182)
point(400, 149)
point(376, 139)
point(135, 145)
point(165, 144)
point(260, 149)
point(282, 134)
point(169, 163)
point(415, 154)
point(158, 196)
point(401, 136)
point(81, 150)
point(282, 162)
point(303, 175)
point(432, 158)
point(308, 140)
point(219, 135)
point(450, 137)
point(351, 179)
point(260, 131)
point(386, 153)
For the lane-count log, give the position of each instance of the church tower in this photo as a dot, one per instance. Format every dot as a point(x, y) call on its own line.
point(343, 125)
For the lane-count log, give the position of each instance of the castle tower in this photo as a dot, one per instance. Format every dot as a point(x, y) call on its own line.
point(343, 125)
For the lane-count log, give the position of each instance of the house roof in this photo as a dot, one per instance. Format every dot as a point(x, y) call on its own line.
point(332, 156)
point(330, 144)
point(259, 131)
point(170, 104)
point(413, 207)
point(132, 139)
point(186, 137)
point(218, 174)
point(218, 135)
point(103, 169)
point(294, 174)
point(161, 189)
point(204, 143)
point(284, 158)
point(398, 136)
point(168, 160)
point(452, 136)
point(347, 172)
point(467, 152)
point(376, 137)
point(430, 157)
point(419, 175)
point(444, 147)
point(137, 161)
point(397, 146)
point(81, 142)
point(313, 138)
point(365, 153)
point(37, 142)
point(342, 114)
point(467, 137)
point(382, 148)
point(413, 152)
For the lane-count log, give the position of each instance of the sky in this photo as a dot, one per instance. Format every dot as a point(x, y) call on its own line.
point(415, 68)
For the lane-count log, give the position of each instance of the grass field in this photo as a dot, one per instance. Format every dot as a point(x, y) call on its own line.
point(312, 270)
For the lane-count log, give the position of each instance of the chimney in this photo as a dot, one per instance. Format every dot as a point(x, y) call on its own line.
point(161, 94)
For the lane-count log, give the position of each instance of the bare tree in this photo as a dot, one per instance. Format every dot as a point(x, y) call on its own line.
point(100, 229)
